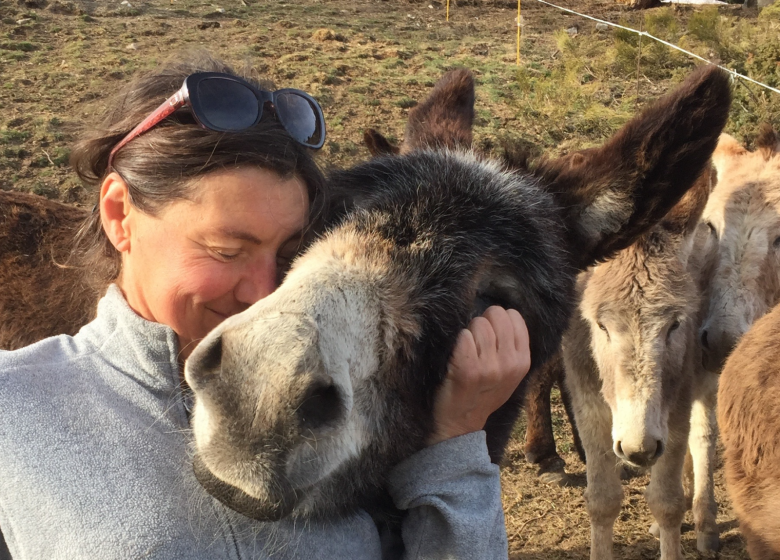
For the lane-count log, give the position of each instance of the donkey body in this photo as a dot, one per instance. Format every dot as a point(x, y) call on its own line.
point(633, 368)
point(749, 419)
point(305, 401)
point(39, 298)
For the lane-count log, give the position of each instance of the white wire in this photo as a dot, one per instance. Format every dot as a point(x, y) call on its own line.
point(668, 44)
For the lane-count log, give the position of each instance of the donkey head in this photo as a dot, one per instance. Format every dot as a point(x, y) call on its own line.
point(642, 307)
point(307, 399)
point(743, 216)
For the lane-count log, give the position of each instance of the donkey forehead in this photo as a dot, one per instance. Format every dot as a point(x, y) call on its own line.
point(746, 184)
point(635, 280)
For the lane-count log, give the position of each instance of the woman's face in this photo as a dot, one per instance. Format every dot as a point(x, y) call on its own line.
point(202, 260)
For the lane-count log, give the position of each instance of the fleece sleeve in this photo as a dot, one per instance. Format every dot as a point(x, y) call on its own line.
point(452, 495)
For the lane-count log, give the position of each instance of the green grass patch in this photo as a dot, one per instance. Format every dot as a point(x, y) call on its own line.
point(13, 136)
point(23, 46)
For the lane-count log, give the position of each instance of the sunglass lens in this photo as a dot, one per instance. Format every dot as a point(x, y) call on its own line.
point(300, 118)
point(227, 105)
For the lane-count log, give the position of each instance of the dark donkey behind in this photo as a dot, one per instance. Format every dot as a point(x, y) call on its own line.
point(39, 298)
point(445, 121)
point(351, 349)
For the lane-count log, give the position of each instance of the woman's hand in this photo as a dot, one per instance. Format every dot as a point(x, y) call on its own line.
point(490, 359)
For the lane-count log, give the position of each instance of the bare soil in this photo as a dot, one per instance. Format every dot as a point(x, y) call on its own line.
point(368, 61)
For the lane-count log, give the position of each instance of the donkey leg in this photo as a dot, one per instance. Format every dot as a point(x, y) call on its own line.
point(569, 407)
point(604, 494)
point(603, 498)
point(539, 438)
point(701, 443)
point(666, 498)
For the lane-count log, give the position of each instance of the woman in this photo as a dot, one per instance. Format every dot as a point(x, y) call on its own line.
point(194, 224)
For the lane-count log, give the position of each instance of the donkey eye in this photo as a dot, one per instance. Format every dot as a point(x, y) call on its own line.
point(602, 327)
point(777, 243)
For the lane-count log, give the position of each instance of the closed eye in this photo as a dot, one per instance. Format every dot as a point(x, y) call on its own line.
point(224, 255)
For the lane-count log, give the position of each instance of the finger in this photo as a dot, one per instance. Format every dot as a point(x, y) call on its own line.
point(484, 336)
point(465, 352)
point(502, 326)
point(520, 330)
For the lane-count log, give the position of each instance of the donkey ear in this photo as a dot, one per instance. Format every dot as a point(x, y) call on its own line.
point(611, 195)
point(445, 118)
point(377, 144)
point(727, 148)
point(768, 141)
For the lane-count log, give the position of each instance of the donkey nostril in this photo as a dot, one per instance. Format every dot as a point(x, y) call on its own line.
point(659, 449)
point(618, 449)
point(213, 357)
point(321, 406)
point(205, 361)
point(704, 342)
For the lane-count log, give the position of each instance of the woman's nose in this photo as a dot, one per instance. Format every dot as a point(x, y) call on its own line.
point(257, 282)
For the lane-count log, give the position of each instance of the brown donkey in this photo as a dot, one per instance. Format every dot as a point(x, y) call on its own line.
point(749, 418)
point(39, 298)
point(639, 393)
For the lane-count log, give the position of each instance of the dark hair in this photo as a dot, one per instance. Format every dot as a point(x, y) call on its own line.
point(159, 166)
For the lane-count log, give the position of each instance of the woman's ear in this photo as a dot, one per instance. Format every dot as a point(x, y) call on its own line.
point(115, 210)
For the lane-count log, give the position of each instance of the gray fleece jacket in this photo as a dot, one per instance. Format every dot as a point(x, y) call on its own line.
point(95, 464)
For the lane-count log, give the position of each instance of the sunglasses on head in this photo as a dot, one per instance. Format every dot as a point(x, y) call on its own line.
point(225, 103)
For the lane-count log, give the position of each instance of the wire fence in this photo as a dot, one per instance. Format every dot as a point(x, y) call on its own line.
point(734, 73)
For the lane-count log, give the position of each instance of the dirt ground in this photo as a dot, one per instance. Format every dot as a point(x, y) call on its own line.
point(368, 61)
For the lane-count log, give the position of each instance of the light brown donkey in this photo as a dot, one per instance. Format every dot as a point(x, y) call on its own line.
point(633, 371)
point(743, 215)
point(744, 218)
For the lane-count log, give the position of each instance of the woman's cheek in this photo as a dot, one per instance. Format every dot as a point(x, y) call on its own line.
point(214, 280)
